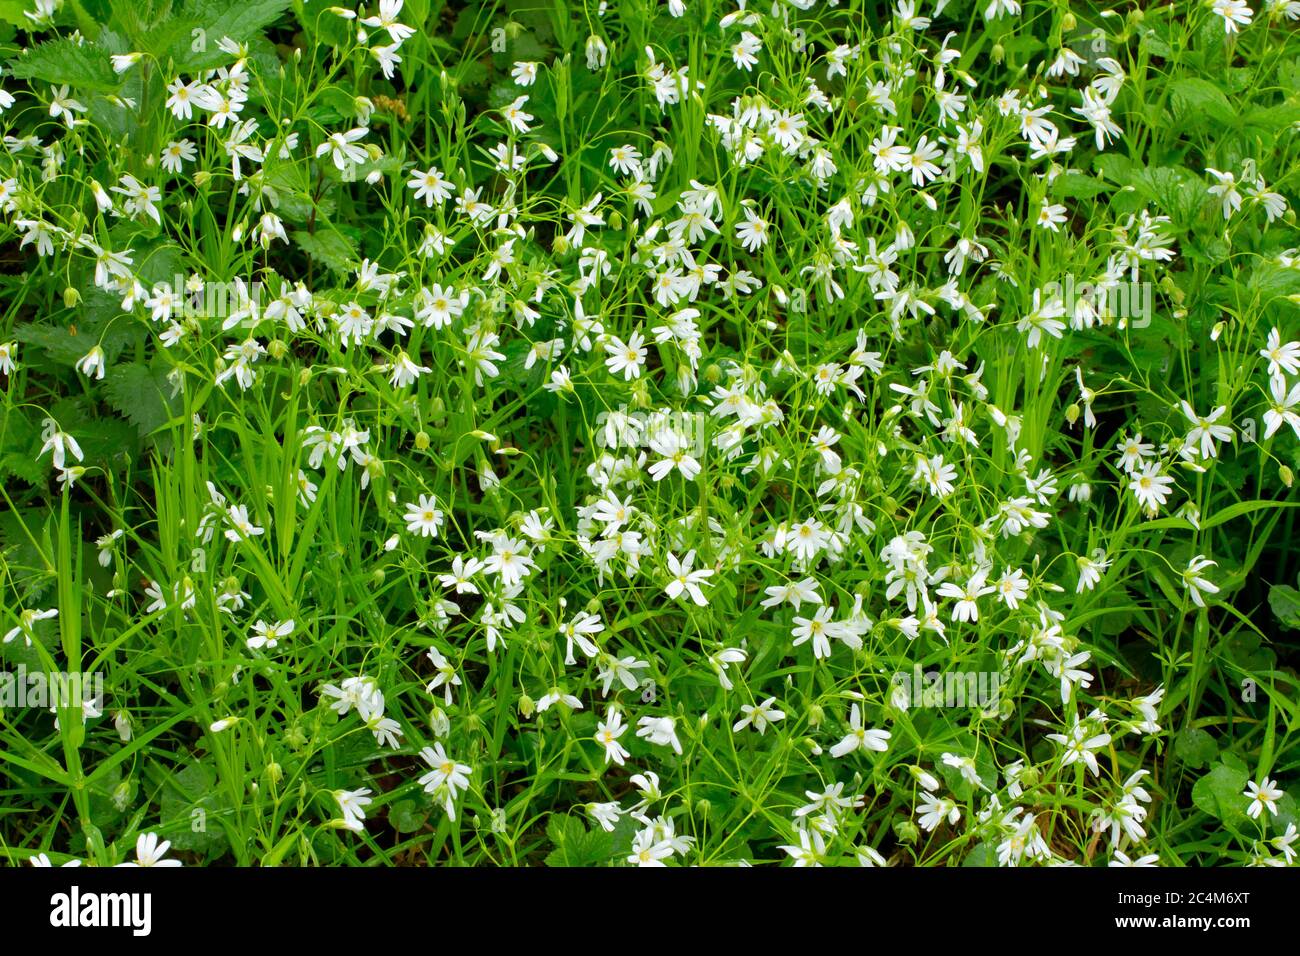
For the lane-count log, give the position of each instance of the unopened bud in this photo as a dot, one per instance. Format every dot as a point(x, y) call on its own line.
point(816, 715)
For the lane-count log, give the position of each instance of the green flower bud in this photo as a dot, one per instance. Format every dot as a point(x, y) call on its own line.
point(816, 715)
point(906, 831)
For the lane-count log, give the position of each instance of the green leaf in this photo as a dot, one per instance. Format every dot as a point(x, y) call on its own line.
point(1246, 650)
point(329, 247)
point(984, 854)
point(68, 347)
point(66, 62)
point(25, 546)
point(11, 11)
point(1194, 99)
point(190, 804)
point(19, 444)
point(1243, 508)
point(407, 816)
point(574, 844)
point(1115, 167)
point(1195, 747)
point(137, 392)
point(1177, 190)
point(1285, 602)
point(190, 39)
point(1076, 185)
point(1220, 793)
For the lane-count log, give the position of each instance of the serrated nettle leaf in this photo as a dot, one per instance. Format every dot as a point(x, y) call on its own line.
point(1197, 100)
point(193, 41)
point(329, 247)
point(141, 394)
point(85, 66)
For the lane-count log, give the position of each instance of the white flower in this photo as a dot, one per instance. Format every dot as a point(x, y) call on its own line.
point(268, 635)
point(810, 850)
point(933, 809)
point(626, 357)
point(1051, 216)
point(606, 814)
point(860, 738)
point(524, 72)
point(1282, 407)
point(58, 443)
point(758, 716)
point(1204, 430)
point(26, 619)
point(516, 117)
point(684, 580)
point(597, 52)
point(241, 526)
point(1080, 744)
point(625, 160)
point(1225, 186)
point(423, 517)
point(445, 773)
point(754, 232)
point(1195, 582)
point(607, 733)
point(1284, 841)
point(744, 51)
point(1151, 487)
point(1235, 13)
point(150, 852)
point(176, 153)
point(430, 185)
point(123, 62)
point(1282, 357)
point(661, 731)
point(646, 851)
point(91, 364)
point(1120, 858)
point(352, 804)
point(342, 148)
point(1262, 795)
